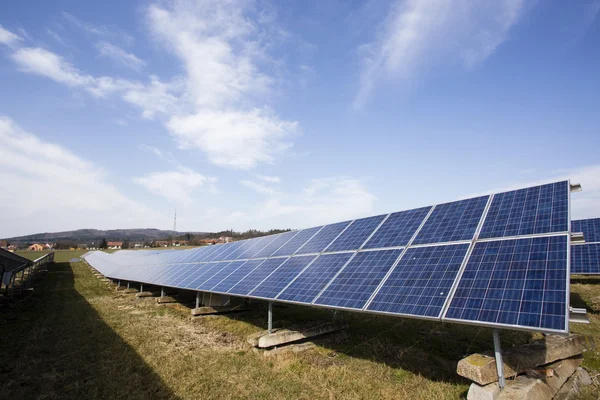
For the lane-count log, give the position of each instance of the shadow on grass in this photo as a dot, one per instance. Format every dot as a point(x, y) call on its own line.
point(55, 345)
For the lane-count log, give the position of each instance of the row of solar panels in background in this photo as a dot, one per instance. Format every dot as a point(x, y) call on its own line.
point(537, 210)
point(493, 290)
point(585, 258)
point(514, 283)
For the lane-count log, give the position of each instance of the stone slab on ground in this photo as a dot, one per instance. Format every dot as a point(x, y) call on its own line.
point(574, 385)
point(165, 299)
point(526, 388)
point(130, 290)
point(287, 336)
point(218, 310)
point(557, 373)
point(487, 392)
point(253, 338)
point(120, 288)
point(144, 294)
point(291, 349)
point(481, 368)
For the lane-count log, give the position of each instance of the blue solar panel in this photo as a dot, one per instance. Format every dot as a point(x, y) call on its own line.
point(356, 234)
point(223, 269)
point(296, 242)
point(269, 249)
point(358, 280)
point(540, 209)
point(589, 227)
point(398, 229)
point(250, 281)
point(279, 279)
point(322, 239)
point(310, 283)
point(251, 253)
point(585, 259)
point(227, 254)
point(451, 222)
point(234, 277)
point(518, 282)
point(421, 282)
point(186, 281)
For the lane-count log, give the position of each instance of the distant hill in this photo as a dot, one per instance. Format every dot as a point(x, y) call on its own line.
point(90, 235)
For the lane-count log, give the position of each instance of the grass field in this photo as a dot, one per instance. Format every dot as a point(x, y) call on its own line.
point(74, 338)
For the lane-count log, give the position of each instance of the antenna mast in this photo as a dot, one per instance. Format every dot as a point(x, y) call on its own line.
point(175, 221)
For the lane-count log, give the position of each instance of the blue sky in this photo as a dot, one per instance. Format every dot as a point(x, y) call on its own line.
point(288, 114)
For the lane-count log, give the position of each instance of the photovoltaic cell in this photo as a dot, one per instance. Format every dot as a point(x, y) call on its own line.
point(540, 209)
point(250, 281)
point(279, 279)
point(223, 269)
point(322, 239)
point(517, 282)
point(296, 242)
point(398, 229)
point(310, 283)
point(356, 234)
point(421, 282)
point(585, 259)
point(236, 276)
point(269, 249)
point(358, 280)
point(451, 222)
point(589, 227)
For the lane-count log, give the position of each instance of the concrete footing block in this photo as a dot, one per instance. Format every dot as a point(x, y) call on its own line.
point(526, 388)
point(481, 368)
point(286, 336)
point(121, 288)
point(165, 300)
point(130, 290)
point(144, 294)
point(573, 387)
point(291, 349)
point(487, 392)
point(218, 310)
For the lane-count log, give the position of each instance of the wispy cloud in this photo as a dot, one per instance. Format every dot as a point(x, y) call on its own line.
point(419, 35)
point(259, 187)
point(176, 186)
point(8, 38)
point(55, 36)
point(120, 56)
point(97, 29)
point(86, 198)
point(269, 179)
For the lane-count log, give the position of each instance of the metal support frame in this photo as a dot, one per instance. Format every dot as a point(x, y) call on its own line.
point(162, 292)
point(270, 318)
point(141, 287)
point(118, 285)
point(499, 361)
point(197, 299)
point(128, 284)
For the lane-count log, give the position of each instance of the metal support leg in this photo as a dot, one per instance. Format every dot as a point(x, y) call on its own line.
point(118, 284)
point(499, 362)
point(141, 287)
point(128, 284)
point(270, 322)
point(197, 299)
point(162, 292)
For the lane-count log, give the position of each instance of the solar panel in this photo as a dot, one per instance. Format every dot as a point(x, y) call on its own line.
point(430, 262)
point(516, 283)
point(536, 210)
point(452, 222)
point(589, 227)
point(421, 282)
point(585, 259)
point(322, 239)
point(356, 234)
point(398, 229)
point(280, 278)
point(296, 242)
point(358, 280)
point(310, 282)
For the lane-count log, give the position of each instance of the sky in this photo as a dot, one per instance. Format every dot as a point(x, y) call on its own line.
point(247, 114)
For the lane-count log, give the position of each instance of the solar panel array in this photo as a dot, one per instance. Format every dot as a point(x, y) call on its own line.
point(499, 260)
point(585, 258)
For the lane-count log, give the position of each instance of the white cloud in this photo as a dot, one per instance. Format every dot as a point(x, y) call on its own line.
point(269, 179)
point(226, 81)
point(157, 97)
point(120, 56)
point(176, 186)
point(51, 189)
point(55, 36)
point(237, 139)
point(259, 187)
point(43, 62)
point(7, 37)
point(98, 30)
point(421, 34)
